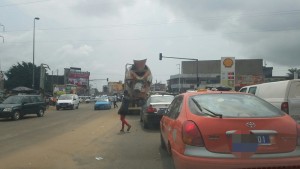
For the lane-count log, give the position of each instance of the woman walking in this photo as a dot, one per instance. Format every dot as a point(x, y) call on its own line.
point(123, 111)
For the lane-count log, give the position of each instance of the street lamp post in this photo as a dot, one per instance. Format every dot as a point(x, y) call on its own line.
point(179, 86)
point(36, 18)
point(161, 56)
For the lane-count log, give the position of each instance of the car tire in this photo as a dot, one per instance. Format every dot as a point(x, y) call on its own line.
point(57, 108)
point(16, 115)
point(145, 124)
point(162, 143)
point(40, 113)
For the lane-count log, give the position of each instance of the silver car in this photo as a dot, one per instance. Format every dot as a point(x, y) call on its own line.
point(154, 108)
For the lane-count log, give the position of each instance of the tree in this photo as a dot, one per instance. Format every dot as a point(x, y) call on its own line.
point(291, 72)
point(21, 75)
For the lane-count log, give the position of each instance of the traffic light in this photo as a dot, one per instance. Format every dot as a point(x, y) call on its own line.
point(160, 56)
point(107, 79)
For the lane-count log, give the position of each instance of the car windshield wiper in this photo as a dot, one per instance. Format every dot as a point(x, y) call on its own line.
point(212, 114)
point(215, 114)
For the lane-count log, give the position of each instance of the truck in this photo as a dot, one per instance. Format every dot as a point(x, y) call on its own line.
point(138, 79)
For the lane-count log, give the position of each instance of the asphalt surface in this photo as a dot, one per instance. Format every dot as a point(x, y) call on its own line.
point(81, 138)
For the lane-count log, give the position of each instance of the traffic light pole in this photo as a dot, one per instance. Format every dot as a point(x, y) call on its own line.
point(161, 56)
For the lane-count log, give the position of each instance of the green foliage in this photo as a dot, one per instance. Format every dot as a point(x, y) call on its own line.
point(291, 72)
point(21, 75)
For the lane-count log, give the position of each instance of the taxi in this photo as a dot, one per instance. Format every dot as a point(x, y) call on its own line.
point(217, 129)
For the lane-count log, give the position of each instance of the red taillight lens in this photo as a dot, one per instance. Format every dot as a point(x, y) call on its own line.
point(151, 109)
point(191, 134)
point(298, 135)
point(285, 107)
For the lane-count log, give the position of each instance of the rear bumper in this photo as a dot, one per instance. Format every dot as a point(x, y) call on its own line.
point(206, 159)
point(102, 106)
point(152, 118)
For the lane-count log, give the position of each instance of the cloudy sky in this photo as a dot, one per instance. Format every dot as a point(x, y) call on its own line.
point(101, 36)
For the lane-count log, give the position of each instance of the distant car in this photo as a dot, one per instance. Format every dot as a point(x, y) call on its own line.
point(229, 130)
point(154, 108)
point(87, 100)
point(67, 101)
point(102, 103)
point(17, 106)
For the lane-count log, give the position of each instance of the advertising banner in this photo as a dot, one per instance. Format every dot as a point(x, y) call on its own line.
point(228, 72)
point(79, 78)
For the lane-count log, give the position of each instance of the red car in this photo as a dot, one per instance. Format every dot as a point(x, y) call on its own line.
point(223, 130)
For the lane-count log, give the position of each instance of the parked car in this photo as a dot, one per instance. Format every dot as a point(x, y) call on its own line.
point(285, 95)
point(67, 101)
point(154, 108)
point(17, 106)
point(102, 103)
point(229, 130)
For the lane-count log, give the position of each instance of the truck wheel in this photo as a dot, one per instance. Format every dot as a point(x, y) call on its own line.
point(40, 113)
point(16, 115)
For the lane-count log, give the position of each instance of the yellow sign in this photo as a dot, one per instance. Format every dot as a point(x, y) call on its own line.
point(228, 62)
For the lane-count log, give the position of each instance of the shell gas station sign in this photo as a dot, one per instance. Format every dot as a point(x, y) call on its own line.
point(228, 72)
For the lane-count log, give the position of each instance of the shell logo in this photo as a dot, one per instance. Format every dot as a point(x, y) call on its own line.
point(228, 62)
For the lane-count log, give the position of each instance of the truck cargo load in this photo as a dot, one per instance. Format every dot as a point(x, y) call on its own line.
point(138, 79)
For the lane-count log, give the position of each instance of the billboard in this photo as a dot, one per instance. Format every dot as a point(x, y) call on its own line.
point(228, 72)
point(78, 78)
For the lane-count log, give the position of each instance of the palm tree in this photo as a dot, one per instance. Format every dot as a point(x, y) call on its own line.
point(291, 72)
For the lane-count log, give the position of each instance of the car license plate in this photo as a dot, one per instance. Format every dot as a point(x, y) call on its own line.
point(263, 139)
point(162, 111)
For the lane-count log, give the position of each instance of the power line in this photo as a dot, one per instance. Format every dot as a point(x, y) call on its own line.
point(255, 14)
point(167, 37)
point(23, 3)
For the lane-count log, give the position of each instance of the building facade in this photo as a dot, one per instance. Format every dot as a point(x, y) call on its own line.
point(247, 72)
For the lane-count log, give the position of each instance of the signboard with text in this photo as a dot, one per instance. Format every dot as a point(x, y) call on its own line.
point(228, 72)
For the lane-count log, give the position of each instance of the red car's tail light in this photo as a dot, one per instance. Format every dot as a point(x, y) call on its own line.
point(151, 109)
point(191, 134)
point(285, 107)
point(298, 135)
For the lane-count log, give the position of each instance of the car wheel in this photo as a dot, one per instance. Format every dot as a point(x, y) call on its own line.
point(16, 115)
point(40, 113)
point(145, 124)
point(162, 143)
point(57, 108)
point(169, 150)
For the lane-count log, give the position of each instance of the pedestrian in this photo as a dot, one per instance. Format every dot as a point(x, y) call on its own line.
point(123, 111)
point(115, 102)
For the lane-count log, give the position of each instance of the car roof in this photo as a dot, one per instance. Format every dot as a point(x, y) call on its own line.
point(158, 95)
point(209, 92)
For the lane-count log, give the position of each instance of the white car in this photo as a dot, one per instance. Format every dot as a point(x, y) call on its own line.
point(67, 101)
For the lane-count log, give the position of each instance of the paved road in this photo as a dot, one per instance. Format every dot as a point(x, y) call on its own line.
point(83, 139)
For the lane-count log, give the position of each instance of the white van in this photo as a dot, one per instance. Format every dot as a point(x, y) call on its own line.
point(67, 101)
point(283, 94)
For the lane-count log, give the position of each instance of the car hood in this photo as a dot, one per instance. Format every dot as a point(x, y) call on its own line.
point(9, 105)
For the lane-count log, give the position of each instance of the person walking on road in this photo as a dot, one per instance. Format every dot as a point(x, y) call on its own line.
point(115, 102)
point(123, 111)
